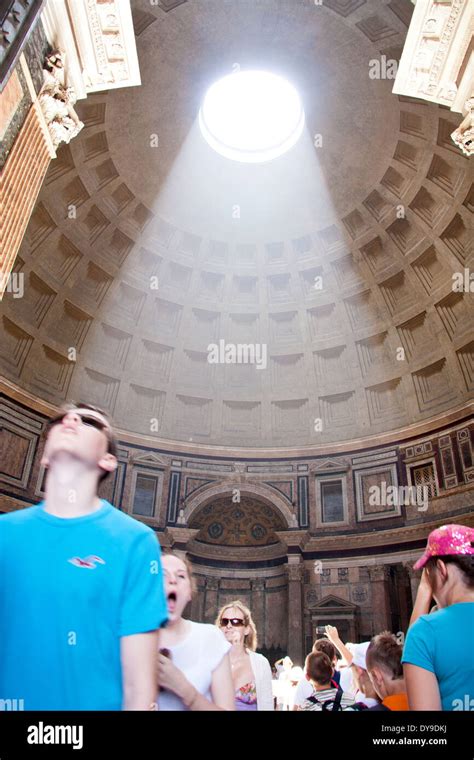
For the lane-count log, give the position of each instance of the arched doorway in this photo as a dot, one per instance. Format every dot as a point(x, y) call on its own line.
point(246, 522)
point(237, 554)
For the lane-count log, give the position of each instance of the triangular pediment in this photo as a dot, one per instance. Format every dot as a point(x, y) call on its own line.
point(325, 465)
point(334, 602)
point(149, 459)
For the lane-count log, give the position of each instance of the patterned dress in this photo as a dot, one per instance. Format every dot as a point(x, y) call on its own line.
point(246, 697)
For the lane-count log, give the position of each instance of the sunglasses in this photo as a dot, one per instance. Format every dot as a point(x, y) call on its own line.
point(85, 419)
point(235, 622)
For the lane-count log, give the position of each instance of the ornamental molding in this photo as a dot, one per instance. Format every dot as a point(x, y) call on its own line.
point(383, 538)
point(245, 487)
point(214, 552)
point(379, 573)
point(435, 51)
point(99, 39)
point(179, 535)
point(295, 572)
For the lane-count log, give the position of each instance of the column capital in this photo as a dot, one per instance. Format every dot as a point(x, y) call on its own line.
point(408, 566)
point(378, 572)
point(295, 572)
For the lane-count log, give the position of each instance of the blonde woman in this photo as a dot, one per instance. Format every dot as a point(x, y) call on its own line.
point(251, 672)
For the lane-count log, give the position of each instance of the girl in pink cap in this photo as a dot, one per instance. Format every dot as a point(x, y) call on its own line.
point(438, 657)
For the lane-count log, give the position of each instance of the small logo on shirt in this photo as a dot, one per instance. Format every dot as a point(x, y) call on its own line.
point(88, 562)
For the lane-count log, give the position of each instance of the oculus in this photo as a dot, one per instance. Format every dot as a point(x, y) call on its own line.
point(252, 116)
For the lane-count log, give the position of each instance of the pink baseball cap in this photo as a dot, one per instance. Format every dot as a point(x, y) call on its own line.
point(449, 539)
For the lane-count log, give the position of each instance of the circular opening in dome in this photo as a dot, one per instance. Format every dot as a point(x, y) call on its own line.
point(251, 116)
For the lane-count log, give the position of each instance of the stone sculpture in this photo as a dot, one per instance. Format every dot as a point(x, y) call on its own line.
point(57, 100)
point(463, 136)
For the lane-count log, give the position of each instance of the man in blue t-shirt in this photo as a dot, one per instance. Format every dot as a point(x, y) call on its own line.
point(81, 596)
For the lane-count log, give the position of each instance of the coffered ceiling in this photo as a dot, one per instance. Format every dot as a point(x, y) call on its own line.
point(145, 246)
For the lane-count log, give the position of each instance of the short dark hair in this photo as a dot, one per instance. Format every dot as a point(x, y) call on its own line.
point(465, 562)
point(319, 668)
point(326, 646)
point(385, 652)
point(112, 443)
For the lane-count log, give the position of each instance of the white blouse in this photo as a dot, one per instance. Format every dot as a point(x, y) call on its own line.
point(197, 656)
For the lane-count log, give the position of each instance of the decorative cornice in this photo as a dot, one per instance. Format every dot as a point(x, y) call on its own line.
point(180, 535)
point(233, 553)
point(396, 537)
point(99, 38)
point(296, 539)
point(437, 43)
point(458, 415)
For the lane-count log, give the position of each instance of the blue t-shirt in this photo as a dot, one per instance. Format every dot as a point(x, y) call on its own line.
point(69, 589)
point(443, 643)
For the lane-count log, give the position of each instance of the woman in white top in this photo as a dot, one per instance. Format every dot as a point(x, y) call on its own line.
point(193, 664)
point(251, 672)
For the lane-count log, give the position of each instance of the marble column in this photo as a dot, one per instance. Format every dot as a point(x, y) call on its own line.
point(197, 604)
point(379, 579)
point(258, 608)
point(295, 609)
point(404, 597)
point(211, 593)
point(414, 576)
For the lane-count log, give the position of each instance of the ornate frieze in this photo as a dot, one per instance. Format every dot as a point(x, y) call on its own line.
point(99, 37)
point(435, 51)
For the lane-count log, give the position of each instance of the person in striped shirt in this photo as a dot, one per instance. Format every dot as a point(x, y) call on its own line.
point(326, 695)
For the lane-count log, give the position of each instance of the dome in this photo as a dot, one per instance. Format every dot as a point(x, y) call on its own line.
point(301, 301)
